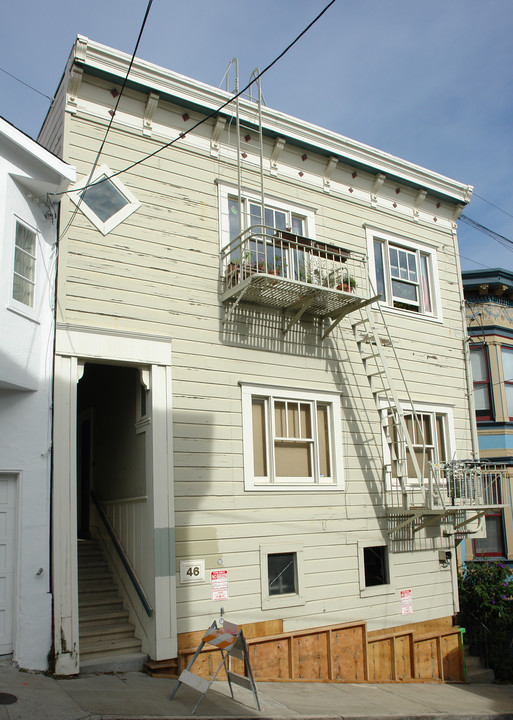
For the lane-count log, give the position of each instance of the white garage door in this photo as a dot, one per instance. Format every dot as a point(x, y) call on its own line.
point(7, 558)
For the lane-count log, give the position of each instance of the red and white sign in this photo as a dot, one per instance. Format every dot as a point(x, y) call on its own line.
point(219, 584)
point(406, 602)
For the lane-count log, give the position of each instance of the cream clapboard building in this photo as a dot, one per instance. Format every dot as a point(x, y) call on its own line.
point(211, 388)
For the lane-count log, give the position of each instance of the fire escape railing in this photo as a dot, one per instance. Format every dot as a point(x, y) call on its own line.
point(262, 250)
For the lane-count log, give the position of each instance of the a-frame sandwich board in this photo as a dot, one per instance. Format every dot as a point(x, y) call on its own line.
point(230, 641)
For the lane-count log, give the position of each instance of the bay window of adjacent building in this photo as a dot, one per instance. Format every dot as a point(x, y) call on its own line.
point(507, 371)
point(290, 439)
point(481, 379)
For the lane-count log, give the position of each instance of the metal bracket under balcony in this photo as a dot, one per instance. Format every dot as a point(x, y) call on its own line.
point(277, 269)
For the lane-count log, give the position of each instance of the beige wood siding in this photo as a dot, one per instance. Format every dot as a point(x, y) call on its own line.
point(158, 273)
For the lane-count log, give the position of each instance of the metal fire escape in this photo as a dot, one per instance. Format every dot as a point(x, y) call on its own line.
point(276, 268)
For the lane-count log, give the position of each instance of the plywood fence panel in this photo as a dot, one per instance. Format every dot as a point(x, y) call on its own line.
point(271, 659)
point(381, 660)
point(339, 653)
point(349, 653)
point(311, 656)
point(452, 657)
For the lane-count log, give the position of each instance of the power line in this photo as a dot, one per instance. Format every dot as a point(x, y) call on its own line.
point(214, 113)
point(26, 84)
point(506, 242)
point(492, 204)
point(112, 114)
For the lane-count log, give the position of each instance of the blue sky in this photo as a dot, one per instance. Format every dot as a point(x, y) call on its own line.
point(430, 82)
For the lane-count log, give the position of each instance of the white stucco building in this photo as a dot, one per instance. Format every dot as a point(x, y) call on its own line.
point(28, 240)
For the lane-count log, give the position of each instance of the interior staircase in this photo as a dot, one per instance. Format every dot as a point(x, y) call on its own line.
point(107, 640)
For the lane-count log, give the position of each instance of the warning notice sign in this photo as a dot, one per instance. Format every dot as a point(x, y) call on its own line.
point(219, 584)
point(406, 602)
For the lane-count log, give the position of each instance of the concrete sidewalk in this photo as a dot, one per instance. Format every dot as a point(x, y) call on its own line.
point(137, 696)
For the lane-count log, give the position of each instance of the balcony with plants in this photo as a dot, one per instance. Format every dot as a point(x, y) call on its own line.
point(279, 269)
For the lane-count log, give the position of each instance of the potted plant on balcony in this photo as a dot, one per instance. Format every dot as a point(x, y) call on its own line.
point(276, 267)
point(347, 285)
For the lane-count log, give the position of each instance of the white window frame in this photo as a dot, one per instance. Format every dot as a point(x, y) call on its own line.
point(106, 226)
point(410, 246)
point(307, 214)
point(270, 482)
point(270, 602)
point(423, 409)
point(375, 590)
point(30, 311)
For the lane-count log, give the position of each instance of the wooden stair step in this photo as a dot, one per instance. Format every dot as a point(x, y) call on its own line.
point(162, 668)
point(109, 647)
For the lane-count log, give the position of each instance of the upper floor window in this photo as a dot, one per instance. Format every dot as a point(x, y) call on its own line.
point(507, 370)
point(404, 272)
point(430, 430)
point(24, 272)
point(106, 201)
point(290, 439)
point(237, 216)
point(481, 378)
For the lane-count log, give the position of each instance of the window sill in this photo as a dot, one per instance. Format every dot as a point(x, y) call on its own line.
point(282, 601)
point(377, 590)
point(296, 487)
point(409, 313)
point(27, 314)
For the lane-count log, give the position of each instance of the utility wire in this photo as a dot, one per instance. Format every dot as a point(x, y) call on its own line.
point(26, 84)
point(506, 242)
point(214, 113)
point(492, 204)
point(112, 114)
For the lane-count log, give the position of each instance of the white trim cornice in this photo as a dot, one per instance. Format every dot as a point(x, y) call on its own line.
point(106, 60)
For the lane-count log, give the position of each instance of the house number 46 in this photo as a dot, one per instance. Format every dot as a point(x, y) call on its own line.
point(192, 571)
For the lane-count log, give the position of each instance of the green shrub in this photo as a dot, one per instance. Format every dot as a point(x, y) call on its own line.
point(486, 613)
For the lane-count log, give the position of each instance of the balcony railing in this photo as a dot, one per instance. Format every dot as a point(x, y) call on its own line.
point(450, 487)
point(277, 268)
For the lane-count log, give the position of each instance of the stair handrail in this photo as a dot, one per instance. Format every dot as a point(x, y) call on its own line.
point(123, 556)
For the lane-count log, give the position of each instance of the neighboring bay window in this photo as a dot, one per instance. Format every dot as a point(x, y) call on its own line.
point(290, 439)
point(481, 378)
point(507, 369)
point(404, 273)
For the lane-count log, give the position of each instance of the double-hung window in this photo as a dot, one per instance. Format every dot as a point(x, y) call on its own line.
point(431, 433)
point(291, 439)
point(24, 271)
point(481, 378)
point(404, 273)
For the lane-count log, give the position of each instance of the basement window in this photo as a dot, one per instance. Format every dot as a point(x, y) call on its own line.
point(374, 568)
point(281, 568)
point(106, 201)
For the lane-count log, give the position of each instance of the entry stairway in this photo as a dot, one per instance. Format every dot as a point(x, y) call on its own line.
point(104, 630)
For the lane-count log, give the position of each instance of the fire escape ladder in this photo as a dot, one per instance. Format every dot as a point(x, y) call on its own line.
point(403, 470)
